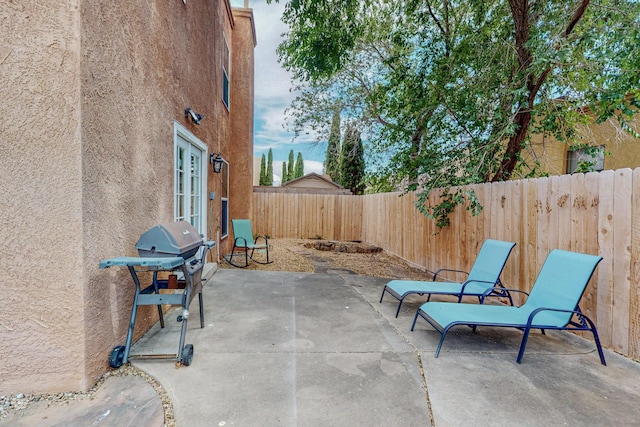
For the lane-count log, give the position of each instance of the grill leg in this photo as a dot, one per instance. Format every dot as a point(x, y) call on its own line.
point(134, 311)
point(201, 310)
point(186, 298)
point(157, 291)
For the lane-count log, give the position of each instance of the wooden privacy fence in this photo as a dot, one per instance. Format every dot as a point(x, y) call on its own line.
point(595, 213)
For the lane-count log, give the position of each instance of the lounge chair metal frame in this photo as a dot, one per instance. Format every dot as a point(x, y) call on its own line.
point(583, 322)
point(245, 241)
point(495, 287)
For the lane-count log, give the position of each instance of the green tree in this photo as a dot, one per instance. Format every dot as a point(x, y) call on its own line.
point(269, 174)
point(285, 176)
point(352, 161)
point(332, 158)
point(263, 176)
point(299, 169)
point(291, 167)
point(449, 93)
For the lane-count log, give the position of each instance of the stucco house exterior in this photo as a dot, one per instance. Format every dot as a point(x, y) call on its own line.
point(97, 149)
point(616, 148)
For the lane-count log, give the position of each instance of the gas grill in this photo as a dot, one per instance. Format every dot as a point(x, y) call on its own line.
point(176, 248)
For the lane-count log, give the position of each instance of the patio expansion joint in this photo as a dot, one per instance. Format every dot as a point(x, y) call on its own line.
point(314, 352)
point(415, 351)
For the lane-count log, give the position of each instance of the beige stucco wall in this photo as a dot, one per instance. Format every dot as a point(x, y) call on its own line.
point(623, 148)
point(90, 94)
point(41, 249)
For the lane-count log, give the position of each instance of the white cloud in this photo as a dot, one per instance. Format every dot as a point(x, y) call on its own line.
point(273, 96)
point(312, 166)
point(272, 82)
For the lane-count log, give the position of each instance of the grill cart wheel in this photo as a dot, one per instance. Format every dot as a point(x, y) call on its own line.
point(187, 354)
point(117, 356)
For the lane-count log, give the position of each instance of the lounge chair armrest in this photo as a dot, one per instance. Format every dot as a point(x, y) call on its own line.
point(263, 237)
point(559, 310)
point(464, 285)
point(242, 239)
point(489, 291)
point(435, 275)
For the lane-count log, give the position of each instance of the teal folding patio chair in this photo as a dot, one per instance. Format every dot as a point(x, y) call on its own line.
point(246, 244)
point(485, 274)
point(552, 304)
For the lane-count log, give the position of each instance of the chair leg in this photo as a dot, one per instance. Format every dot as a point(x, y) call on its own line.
point(592, 327)
point(229, 259)
point(523, 344)
point(399, 305)
point(442, 334)
point(415, 318)
point(383, 291)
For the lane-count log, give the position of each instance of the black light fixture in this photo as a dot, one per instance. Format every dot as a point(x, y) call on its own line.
point(216, 162)
point(195, 117)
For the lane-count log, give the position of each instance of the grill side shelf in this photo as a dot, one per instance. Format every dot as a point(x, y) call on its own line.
point(161, 263)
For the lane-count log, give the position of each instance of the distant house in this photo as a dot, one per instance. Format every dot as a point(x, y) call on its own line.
point(309, 183)
point(98, 147)
point(613, 148)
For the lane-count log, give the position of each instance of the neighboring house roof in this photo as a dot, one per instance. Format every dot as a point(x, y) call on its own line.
point(311, 183)
point(313, 180)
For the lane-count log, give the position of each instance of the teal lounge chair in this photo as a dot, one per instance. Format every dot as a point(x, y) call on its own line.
point(552, 303)
point(246, 244)
point(484, 274)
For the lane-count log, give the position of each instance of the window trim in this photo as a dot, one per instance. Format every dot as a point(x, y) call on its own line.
point(192, 140)
point(224, 201)
point(226, 72)
point(577, 152)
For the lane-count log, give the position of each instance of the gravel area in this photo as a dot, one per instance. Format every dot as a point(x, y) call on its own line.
point(295, 255)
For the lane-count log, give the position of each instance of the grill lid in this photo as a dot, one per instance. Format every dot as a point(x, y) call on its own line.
point(169, 240)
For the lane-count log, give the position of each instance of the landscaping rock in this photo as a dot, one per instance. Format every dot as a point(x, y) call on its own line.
point(345, 247)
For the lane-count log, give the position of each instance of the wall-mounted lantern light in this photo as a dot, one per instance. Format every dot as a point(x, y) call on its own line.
point(195, 117)
point(216, 162)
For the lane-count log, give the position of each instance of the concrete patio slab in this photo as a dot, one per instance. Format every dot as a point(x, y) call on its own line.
point(303, 349)
point(319, 349)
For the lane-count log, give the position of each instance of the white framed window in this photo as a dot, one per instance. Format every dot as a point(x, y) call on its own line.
point(226, 71)
point(190, 178)
point(585, 159)
point(224, 199)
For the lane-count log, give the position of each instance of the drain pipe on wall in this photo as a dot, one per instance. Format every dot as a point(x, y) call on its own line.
point(212, 197)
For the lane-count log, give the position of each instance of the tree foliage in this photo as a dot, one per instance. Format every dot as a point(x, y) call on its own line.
point(299, 168)
point(448, 93)
point(263, 172)
point(291, 173)
point(352, 161)
point(285, 178)
point(269, 174)
point(332, 158)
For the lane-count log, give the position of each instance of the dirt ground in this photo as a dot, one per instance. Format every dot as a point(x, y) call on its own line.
point(294, 255)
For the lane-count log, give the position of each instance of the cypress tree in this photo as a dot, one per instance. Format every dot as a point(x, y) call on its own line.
point(284, 172)
point(290, 167)
point(299, 166)
point(352, 161)
point(262, 180)
point(269, 174)
point(332, 158)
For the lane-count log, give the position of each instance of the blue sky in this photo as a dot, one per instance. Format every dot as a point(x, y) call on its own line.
point(272, 96)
